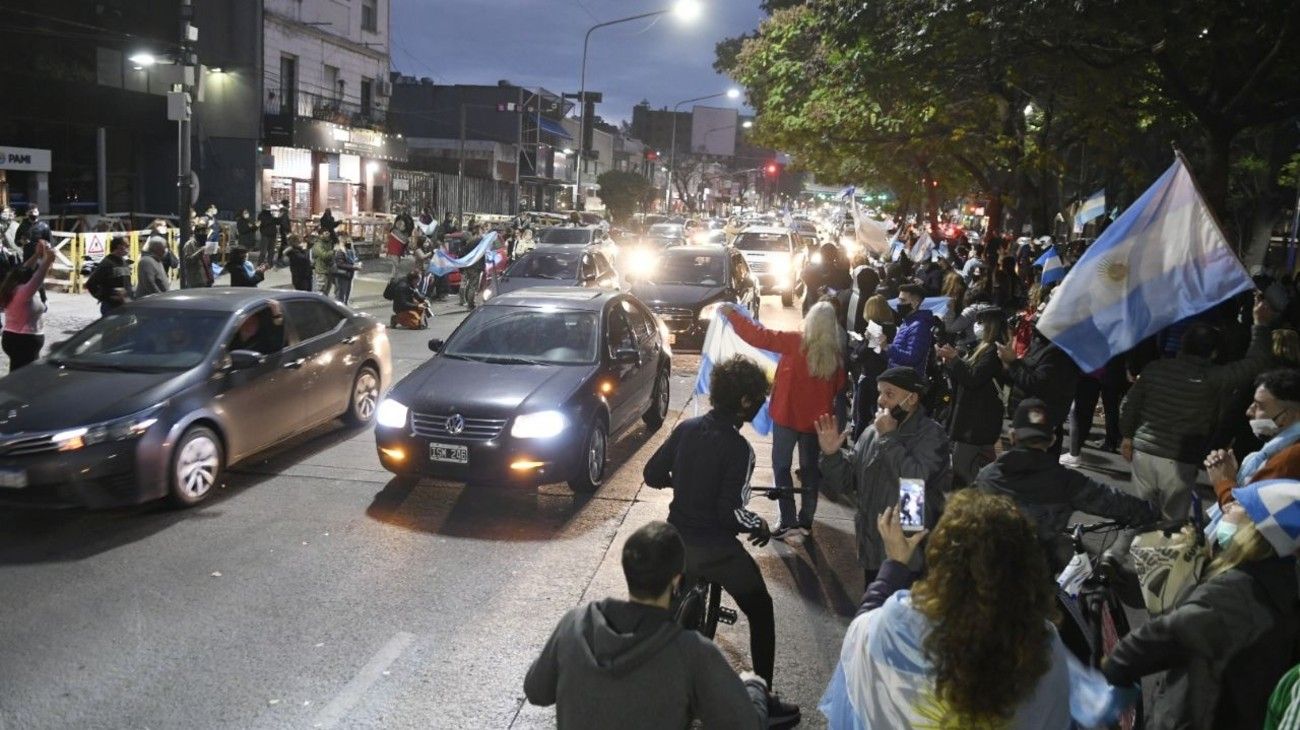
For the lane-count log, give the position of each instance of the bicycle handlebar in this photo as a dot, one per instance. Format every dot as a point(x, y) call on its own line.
point(1083, 528)
point(775, 493)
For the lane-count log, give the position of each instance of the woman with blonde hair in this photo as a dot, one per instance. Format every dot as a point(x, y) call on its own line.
point(971, 645)
point(1226, 646)
point(808, 377)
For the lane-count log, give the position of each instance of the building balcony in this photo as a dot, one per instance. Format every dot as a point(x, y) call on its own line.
point(325, 108)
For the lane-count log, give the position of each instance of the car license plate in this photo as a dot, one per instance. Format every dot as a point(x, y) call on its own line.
point(13, 478)
point(449, 453)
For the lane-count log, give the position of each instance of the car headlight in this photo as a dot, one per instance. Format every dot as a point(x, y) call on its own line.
point(540, 425)
point(392, 414)
point(781, 266)
point(817, 257)
point(119, 429)
point(487, 294)
point(707, 312)
point(641, 263)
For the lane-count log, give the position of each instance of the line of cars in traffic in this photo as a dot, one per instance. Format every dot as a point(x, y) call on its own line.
point(160, 397)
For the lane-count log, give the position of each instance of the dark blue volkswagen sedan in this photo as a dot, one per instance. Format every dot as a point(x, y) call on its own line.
point(529, 389)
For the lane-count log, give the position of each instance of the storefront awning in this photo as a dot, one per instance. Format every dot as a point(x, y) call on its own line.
point(553, 127)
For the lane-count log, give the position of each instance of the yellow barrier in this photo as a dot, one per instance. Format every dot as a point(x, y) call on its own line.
point(71, 250)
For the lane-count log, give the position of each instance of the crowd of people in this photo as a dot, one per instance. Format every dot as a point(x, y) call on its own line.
point(935, 371)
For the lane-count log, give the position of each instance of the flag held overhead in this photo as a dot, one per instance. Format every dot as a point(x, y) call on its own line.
point(1163, 260)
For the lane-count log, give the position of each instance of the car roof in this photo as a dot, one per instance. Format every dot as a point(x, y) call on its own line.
point(553, 296)
point(218, 298)
point(560, 248)
point(781, 230)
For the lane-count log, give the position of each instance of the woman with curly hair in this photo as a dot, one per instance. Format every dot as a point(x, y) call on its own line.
point(972, 645)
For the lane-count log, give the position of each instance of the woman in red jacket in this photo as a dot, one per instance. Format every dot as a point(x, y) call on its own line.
point(808, 376)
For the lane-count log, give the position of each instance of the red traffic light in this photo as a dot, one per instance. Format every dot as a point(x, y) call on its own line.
point(772, 168)
point(651, 155)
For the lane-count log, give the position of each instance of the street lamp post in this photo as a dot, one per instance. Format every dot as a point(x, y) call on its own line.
point(687, 10)
point(672, 153)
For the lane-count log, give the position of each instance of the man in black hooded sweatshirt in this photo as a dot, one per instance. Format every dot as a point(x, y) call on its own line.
point(629, 665)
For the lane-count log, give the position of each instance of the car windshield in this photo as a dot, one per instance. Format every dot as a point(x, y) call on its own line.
point(668, 230)
point(143, 340)
point(566, 235)
point(546, 265)
point(751, 241)
point(689, 268)
point(515, 335)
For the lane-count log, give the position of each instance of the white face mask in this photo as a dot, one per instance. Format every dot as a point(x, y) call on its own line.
point(1264, 428)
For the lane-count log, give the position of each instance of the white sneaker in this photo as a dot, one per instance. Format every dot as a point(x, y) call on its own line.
point(1068, 459)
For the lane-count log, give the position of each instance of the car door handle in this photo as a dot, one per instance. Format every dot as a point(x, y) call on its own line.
point(294, 364)
point(349, 340)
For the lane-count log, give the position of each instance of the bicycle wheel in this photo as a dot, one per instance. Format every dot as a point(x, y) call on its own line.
point(712, 609)
point(1112, 625)
point(691, 610)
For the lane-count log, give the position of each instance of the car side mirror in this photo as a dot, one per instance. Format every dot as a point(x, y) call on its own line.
point(435, 345)
point(627, 356)
point(244, 359)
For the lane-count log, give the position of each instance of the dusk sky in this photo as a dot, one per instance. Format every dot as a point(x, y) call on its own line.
point(539, 43)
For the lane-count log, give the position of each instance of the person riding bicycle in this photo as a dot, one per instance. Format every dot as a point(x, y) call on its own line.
point(1047, 492)
point(628, 664)
point(708, 464)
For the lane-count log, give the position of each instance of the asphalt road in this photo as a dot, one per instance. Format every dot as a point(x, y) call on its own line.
point(313, 591)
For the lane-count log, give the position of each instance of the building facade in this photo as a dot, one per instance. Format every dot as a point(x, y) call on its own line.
point(325, 102)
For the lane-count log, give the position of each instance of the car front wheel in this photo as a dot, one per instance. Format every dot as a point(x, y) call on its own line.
point(592, 470)
point(197, 463)
point(658, 410)
point(364, 401)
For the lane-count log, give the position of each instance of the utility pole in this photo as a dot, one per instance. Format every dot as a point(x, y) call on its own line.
point(184, 194)
point(460, 171)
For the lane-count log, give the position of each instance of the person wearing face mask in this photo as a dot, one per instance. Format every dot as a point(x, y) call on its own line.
point(1045, 372)
point(911, 346)
point(246, 230)
point(902, 442)
point(1225, 646)
point(708, 465)
point(1169, 415)
point(1275, 418)
point(975, 419)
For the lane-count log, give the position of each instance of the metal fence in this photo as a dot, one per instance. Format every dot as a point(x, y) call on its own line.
point(481, 196)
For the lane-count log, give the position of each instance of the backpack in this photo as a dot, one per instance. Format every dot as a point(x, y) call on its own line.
point(390, 291)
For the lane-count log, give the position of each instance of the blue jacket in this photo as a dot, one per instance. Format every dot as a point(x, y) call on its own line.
point(911, 346)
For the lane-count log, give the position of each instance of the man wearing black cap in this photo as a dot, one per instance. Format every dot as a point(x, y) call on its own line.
point(1049, 493)
point(911, 346)
point(1047, 373)
point(902, 443)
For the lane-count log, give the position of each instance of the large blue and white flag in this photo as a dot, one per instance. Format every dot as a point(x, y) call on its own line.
point(441, 264)
point(938, 306)
point(921, 250)
point(1053, 268)
point(722, 342)
point(1163, 260)
point(1094, 207)
point(869, 234)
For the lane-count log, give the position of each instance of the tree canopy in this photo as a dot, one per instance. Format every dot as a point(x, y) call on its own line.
point(622, 192)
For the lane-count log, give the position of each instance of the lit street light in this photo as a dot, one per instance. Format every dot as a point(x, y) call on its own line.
point(142, 59)
point(685, 10)
point(672, 154)
point(749, 124)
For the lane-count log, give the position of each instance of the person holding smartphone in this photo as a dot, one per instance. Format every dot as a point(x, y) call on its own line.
point(902, 443)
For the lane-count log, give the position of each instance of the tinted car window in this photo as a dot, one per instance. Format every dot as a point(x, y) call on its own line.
point(503, 333)
point(566, 235)
point(690, 267)
point(640, 320)
point(620, 334)
point(312, 319)
point(143, 339)
point(762, 242)
point(546, 265)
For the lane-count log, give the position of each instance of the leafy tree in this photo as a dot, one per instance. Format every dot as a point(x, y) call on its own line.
point(622, 192)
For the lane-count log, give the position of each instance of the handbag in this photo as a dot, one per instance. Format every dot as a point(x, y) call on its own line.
point(1168, 567)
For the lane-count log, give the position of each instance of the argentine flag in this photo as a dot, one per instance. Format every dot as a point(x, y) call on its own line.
point(1094, 207)
point(721, 343)
point(441, 264)
point(1163, 260)
point(1053, 269)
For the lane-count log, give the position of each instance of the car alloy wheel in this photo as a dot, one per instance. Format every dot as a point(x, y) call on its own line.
point(196, 466)
point(593, 470)
point(365, 397)
point(658, 411)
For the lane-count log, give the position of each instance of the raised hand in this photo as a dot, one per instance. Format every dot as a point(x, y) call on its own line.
point(829, 436)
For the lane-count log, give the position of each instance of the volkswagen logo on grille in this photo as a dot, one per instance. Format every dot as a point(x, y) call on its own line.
point(455, 424)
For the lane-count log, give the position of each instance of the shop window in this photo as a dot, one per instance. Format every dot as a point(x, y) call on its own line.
point(288, 85)
point(366, 85)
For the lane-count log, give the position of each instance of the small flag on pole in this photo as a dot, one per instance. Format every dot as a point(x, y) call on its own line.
point(1094, 207)
point(1053, 269)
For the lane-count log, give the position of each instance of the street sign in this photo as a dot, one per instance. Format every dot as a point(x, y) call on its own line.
point(24, 158)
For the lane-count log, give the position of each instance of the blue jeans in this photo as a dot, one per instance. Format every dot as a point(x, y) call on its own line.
point(784, 441)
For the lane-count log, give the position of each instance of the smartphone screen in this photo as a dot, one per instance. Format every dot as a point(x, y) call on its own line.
point(911, 504)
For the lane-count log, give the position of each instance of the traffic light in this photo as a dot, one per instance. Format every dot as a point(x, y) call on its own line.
point(772, 169)
point(651, 155)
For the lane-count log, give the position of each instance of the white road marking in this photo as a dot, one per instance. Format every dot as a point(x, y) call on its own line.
point(348, 697)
